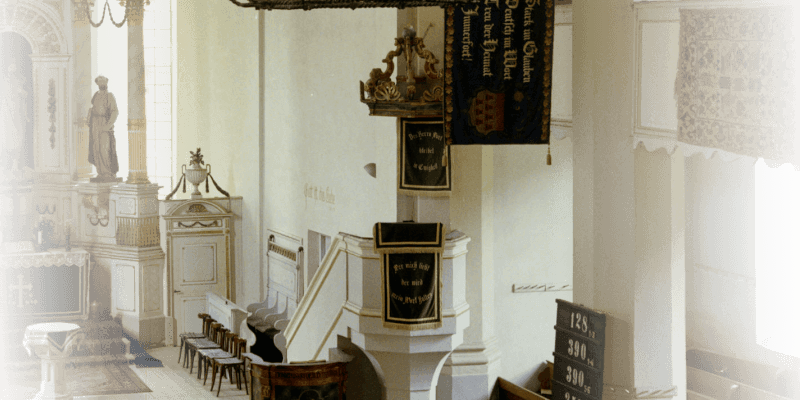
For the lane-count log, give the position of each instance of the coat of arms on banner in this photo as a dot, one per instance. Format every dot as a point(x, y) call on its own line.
point(486, 111)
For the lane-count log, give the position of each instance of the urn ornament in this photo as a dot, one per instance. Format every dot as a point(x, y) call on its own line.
point(196, 173)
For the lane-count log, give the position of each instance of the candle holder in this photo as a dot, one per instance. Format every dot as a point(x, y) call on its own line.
point(44, 235)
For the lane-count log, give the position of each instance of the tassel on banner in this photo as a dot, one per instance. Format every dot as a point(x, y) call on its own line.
point(549, 157)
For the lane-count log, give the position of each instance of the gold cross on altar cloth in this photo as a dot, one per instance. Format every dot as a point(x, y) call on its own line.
point(20, 288)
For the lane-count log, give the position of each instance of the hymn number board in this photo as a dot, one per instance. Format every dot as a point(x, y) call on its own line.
point(580, 342)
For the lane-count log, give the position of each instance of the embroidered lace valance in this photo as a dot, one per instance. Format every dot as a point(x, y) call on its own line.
point(736, 87)
point(73, 258)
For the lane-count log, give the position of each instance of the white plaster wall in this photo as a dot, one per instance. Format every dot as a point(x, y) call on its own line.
point(216, 98)
point(319, 135)
point(533, 244)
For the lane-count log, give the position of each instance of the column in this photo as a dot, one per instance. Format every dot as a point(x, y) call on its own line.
point(83, 86)
point(137, 126)
point(628, 214)
point(603, 178)
point(472, 369)
point(659, 319)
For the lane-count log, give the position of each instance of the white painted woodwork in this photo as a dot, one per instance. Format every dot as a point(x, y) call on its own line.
point(225, 312)
point(198, 236)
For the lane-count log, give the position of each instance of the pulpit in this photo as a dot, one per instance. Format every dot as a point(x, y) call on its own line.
point(47, 286)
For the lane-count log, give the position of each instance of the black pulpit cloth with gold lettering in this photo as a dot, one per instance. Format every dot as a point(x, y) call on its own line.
point(498, 72)
point(411, 278)
point(424, 159)
point(46, 286)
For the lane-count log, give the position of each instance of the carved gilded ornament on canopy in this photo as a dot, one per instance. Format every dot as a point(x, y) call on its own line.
point(388, 98)
point(24, 18)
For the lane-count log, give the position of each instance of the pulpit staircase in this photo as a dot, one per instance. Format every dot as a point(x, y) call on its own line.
point(712, 376)
point(104, 344)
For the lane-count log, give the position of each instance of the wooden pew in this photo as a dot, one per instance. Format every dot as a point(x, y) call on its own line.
point(777, 380)
point(510, 391)
point(690, 395)
point(721, 388)
point(754, 374)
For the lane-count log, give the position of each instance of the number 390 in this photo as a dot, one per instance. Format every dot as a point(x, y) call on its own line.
point(577, 349)
point(574, 376)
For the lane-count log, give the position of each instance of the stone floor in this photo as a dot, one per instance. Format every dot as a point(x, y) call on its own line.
point(170, 382)
point(175, 382)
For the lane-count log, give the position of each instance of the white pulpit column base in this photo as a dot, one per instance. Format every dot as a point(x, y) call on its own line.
point(472, 369)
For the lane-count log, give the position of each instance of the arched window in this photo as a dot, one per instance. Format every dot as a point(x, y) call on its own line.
point(158, 83)
point(110, 59)
point(777, 237)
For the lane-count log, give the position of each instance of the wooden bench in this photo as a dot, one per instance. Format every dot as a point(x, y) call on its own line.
point(721, 388)
point(510, 391)
point(776, 380)
point(690, 395)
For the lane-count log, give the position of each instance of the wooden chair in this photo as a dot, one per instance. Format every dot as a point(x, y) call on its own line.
point(223, 339)
point(233, 363)
point(193, 335)
point(190, 343)
point(196, 345)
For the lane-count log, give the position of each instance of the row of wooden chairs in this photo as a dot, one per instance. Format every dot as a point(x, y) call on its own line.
point(215, 347)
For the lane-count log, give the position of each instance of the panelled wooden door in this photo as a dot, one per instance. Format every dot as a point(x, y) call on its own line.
point(199, 265)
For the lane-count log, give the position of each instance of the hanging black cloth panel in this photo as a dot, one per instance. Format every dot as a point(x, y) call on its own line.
point(411, 271)
point(498, 72)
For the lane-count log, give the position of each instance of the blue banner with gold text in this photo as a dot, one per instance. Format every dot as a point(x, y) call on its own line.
point(498, 72)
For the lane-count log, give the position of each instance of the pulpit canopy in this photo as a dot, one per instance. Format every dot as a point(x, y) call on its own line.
point(312, 4)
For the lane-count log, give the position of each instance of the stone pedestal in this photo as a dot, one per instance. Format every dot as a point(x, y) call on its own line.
point(119, 225)
point(52, 342)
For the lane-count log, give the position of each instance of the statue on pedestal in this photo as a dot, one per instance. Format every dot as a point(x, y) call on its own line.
point(102, 145)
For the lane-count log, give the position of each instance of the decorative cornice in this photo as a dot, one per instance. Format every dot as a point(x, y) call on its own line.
point(654, 143)
point(284, 252)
